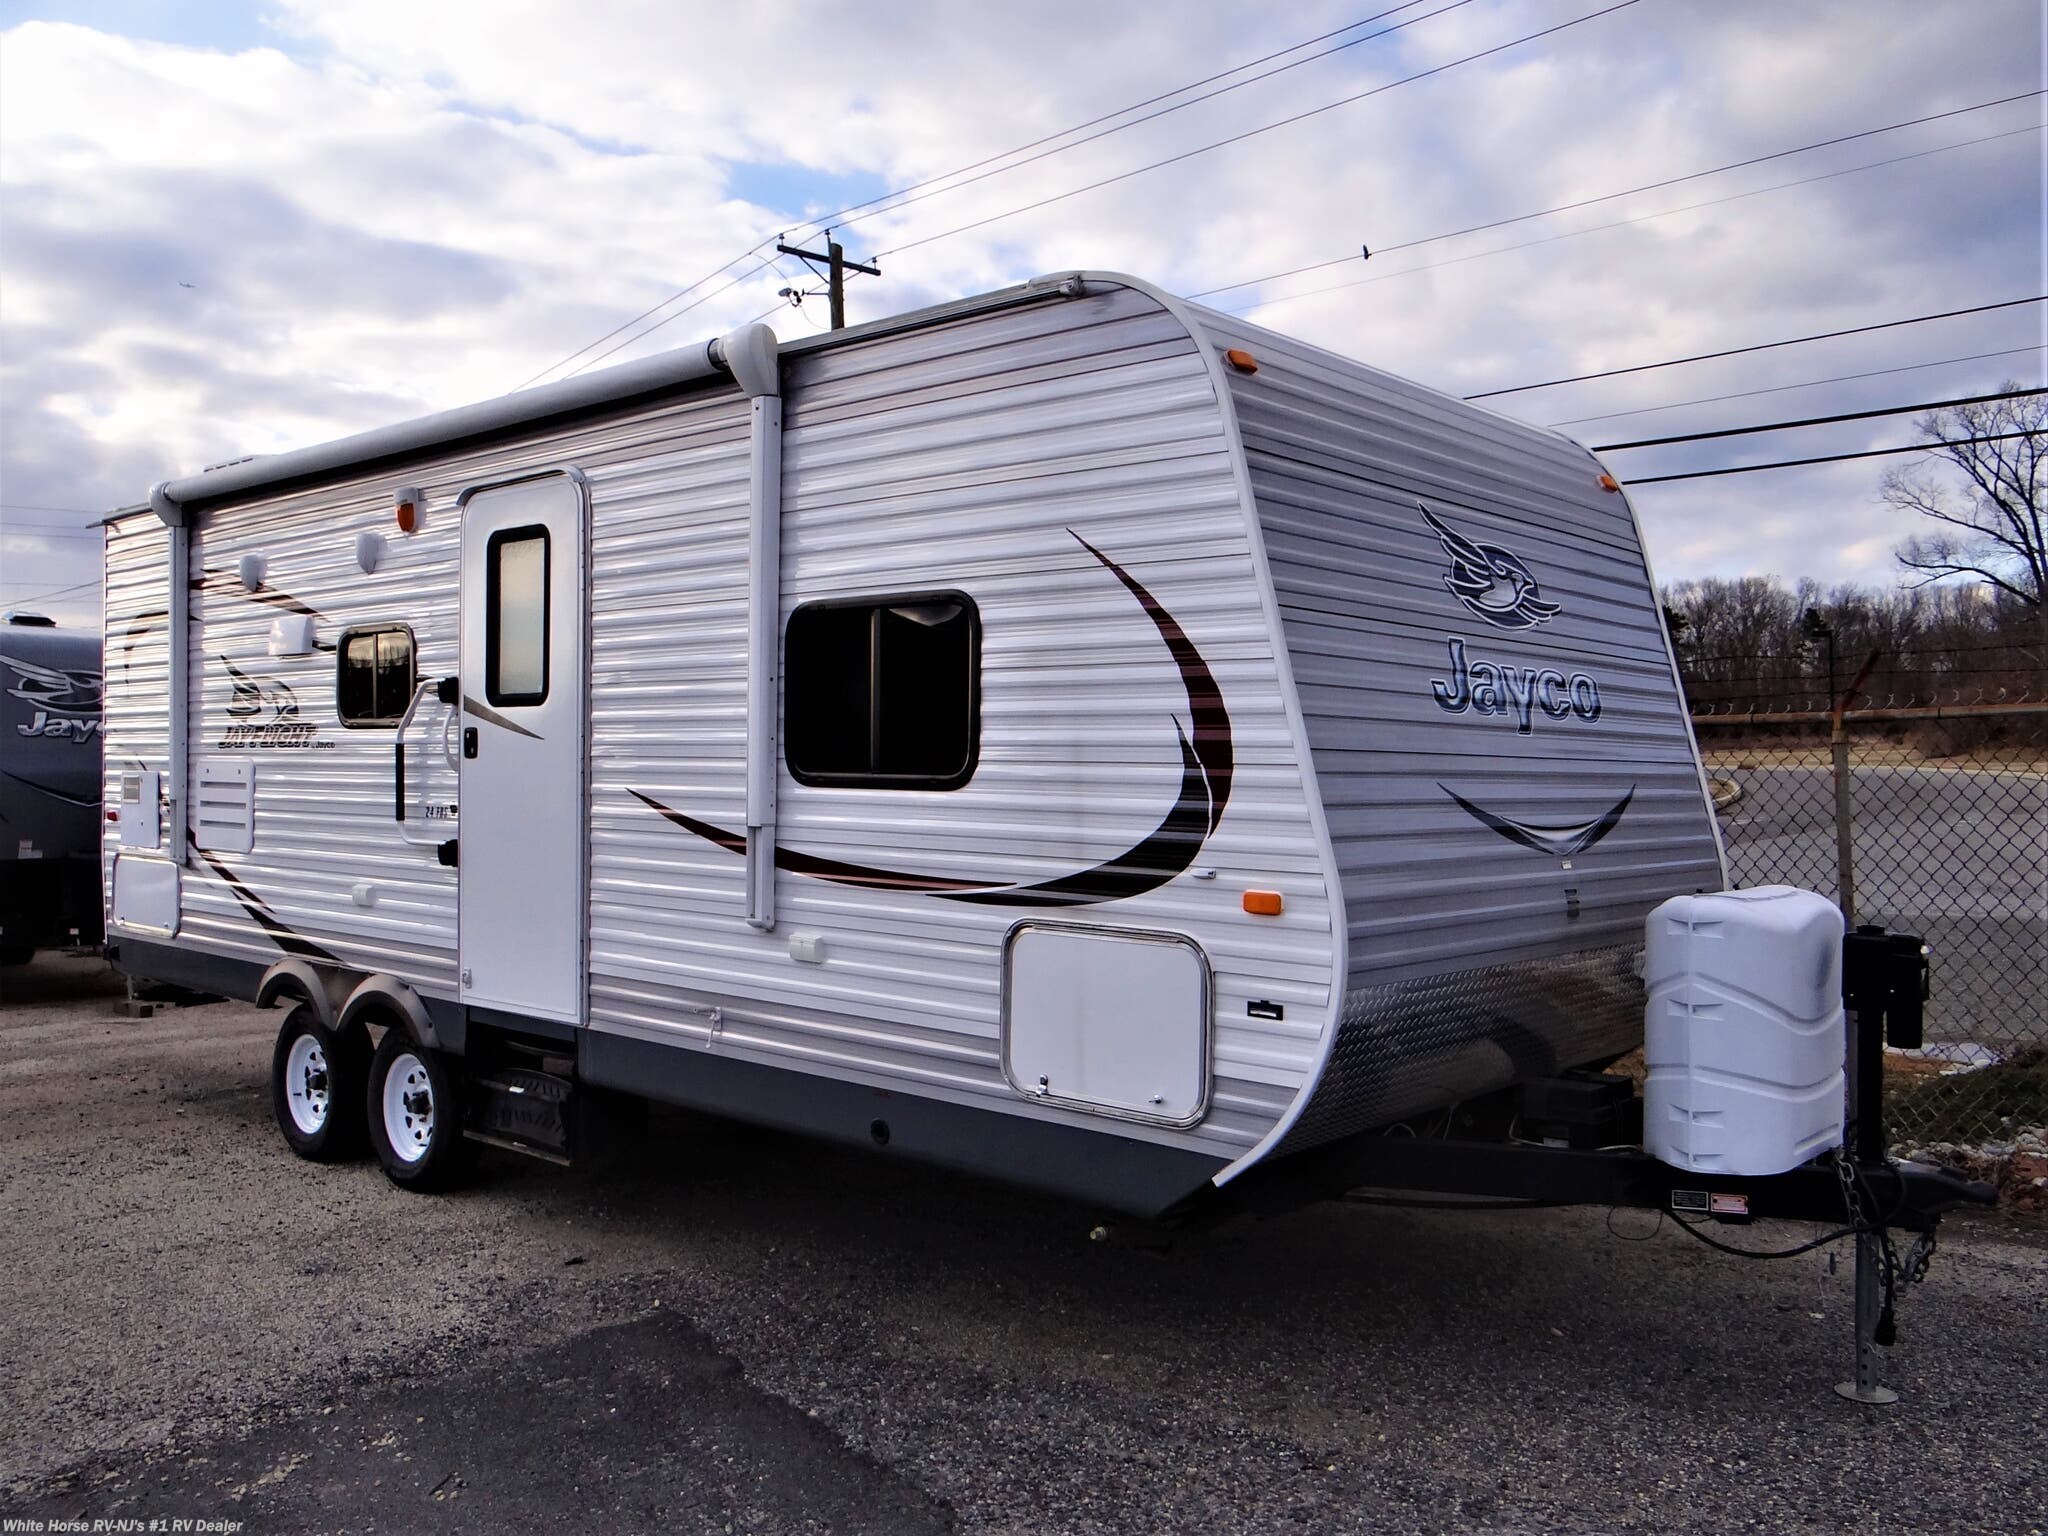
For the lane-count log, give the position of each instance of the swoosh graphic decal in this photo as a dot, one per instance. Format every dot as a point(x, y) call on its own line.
point(285, 939)
point(270, 596)
point(1208, 764)
point(838, 872)
point(492, 717)
point(84, 803)
point(1560, 842)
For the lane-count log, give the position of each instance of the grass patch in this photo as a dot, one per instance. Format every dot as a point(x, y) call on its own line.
point(1969, 1106)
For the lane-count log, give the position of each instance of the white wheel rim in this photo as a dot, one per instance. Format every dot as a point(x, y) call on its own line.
point(306, 1084)
point(408, 1107)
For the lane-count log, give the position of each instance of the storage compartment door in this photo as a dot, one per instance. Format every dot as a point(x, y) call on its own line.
point(1108, 1020)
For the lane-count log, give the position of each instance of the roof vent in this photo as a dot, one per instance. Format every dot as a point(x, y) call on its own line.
point(29, 620)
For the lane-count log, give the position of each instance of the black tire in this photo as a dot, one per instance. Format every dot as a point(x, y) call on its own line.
point(317, 1099)
point(419, 1141)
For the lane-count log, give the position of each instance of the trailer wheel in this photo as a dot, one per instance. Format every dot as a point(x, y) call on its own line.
point(316, 1086)
point(415, 1114)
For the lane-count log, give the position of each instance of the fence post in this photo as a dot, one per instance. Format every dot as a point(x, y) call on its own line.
point(1845, 807)
point(1845, 810)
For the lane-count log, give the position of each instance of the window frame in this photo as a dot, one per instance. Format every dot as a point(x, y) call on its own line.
point(891, 781)
point(493, 610)
point(412, 646)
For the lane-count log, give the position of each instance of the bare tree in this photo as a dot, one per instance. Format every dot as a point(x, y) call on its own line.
point(1993, 527)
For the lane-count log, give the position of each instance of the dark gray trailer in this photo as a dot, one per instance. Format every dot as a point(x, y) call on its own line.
point(49, 787)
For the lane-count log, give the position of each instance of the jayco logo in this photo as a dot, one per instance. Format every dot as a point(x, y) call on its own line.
point(66, 703)
point(1487, 688)
point(1492, 582)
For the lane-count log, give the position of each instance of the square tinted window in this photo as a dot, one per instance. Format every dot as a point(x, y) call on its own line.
point(884, 694)
point(375, 676)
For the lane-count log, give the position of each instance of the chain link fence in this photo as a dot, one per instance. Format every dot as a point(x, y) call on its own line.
point(1935, 823)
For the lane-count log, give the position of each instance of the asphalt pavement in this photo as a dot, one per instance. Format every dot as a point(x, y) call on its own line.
point(751, 1333)
point(1956, 855)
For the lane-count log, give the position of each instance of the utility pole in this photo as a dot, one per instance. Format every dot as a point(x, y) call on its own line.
point(836, 268)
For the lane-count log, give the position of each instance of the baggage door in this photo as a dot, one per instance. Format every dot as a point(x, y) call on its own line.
point(521, 864)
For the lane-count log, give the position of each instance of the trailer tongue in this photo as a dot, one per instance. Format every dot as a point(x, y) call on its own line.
point(1853, 1186)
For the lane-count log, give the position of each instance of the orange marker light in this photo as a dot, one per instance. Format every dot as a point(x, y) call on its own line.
point(1609, 483)
point(405, 507)
point(1263, 903)
point(1241, 360)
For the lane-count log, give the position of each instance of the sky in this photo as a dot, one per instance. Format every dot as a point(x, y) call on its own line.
point(244, 226)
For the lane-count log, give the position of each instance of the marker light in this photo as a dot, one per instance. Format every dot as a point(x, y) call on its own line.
point(1608, 483)
point(405, 506)
point(1241, 360)
point(1263, 903)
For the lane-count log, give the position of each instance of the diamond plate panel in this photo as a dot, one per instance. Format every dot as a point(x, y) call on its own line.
point(1410, 1046)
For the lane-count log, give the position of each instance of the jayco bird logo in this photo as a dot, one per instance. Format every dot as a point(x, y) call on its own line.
point(1492, 582)
point(66, 702)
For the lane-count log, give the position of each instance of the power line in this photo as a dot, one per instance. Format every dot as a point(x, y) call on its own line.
point(842, 214)
point(733, 282)
point(1817, 421)
point(1251, 133)
point(853, 213)
point(1829, 458)
point(1779, 389)
point(36, 597)
point(1639, 218)
point(1608, 197)
point(1762, 346)
point(682, 292)
point(30, 506)
point(1164, 111)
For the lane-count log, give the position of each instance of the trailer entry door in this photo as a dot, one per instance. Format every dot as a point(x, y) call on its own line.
point(523, 666)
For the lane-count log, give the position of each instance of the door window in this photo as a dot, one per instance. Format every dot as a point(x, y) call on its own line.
point(516, 616)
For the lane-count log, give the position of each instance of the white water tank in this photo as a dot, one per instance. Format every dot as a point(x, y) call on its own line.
point(1745, 1034)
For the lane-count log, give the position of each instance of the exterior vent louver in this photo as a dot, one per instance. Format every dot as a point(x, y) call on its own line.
point(224, 807)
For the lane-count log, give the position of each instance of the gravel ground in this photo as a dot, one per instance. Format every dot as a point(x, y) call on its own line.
point(751, 1333)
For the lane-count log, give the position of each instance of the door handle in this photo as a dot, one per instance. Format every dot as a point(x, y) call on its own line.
point(469, 741)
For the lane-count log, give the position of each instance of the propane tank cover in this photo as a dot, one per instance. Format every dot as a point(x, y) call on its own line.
point(1745, 1035)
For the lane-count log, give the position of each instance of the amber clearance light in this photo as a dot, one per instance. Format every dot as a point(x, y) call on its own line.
point(1263, 903)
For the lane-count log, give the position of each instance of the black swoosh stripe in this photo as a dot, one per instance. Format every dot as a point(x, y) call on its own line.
point(1208, 764)
point(492, 717)
point(835, 870)
point(1560, 842)
point(284, 937)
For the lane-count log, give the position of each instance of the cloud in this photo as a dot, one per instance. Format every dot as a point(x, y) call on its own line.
point(385, 208)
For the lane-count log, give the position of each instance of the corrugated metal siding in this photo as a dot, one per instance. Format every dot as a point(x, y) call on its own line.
point(135, 730)
point(323, 811)
point(1474, 961)
point(1340, 455)
point(957, 457)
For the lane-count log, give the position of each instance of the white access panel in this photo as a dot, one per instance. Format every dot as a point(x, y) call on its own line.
point(520, 865)
point(1108, 1020)
point(141, 809)
point(145, 893)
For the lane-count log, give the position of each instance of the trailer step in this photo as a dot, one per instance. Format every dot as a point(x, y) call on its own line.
point(523, 1110)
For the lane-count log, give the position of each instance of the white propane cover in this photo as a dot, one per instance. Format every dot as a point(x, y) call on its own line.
point(1745, 1034)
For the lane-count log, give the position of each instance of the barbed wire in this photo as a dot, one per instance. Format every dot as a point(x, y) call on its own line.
point(1930, 702)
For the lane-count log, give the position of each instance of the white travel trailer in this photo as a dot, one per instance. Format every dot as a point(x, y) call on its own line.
point(1067, 734)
